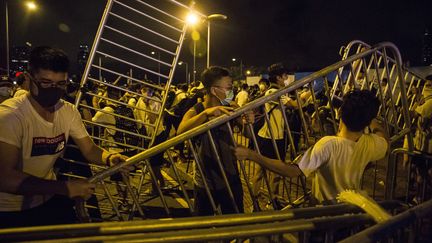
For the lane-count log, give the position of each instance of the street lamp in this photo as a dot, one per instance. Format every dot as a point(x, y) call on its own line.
point(241, 65)
point(31, 6)
point(192, 19)
point(153, 53)
point(212, 17)
point(187, 71)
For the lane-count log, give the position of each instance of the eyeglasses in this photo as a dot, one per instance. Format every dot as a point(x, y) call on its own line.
point(47, 84)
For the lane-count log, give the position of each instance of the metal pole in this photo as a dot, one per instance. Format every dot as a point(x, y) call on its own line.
point(159, 68)
point(100, 70)
point(7, 39)
point(187, 74)
point(208, 43)
point(241, 68)
point(194, 60)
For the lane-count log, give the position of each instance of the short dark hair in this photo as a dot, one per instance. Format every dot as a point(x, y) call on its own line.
point(245, 86)
point(358, 109)
point(45, 57)
point(275, 70)
point(264, 81)
point(114, 93)
point(213, 74)
point(183, 87)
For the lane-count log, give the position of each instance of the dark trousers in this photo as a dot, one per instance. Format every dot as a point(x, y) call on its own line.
point(221, 197)
point(267, 149)
point(57, 210)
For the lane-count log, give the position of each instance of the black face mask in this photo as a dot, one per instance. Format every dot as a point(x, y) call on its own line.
point(48, 97)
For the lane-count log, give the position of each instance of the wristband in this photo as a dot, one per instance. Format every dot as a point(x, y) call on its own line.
point(107, 160)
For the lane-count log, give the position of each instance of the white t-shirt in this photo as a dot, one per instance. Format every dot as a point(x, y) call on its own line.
point(142, 115)
point(276, 120)
point(242, 98)
point(337, 163)
point(106, 118)
point(40, 142)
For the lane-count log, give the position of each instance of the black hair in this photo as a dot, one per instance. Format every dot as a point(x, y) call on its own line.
point(275, 70)
point(45, 57)
point(245, 86)
point(135, 87)
point(213, 74)
point(114, 93)
point(265, 81)
point(358, 109)
point(183, 87)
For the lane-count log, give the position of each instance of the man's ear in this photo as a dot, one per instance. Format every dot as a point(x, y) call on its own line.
point(212, 91)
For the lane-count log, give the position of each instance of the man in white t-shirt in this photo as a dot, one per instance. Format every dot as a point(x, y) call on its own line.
point(34, 129)
point(336, 163)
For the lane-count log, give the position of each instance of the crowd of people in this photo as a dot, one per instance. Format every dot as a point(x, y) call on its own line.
point(36, 124)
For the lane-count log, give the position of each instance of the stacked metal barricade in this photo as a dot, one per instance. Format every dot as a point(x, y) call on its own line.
point(122, 51)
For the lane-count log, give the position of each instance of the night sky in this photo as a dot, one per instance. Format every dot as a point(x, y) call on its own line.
point(305, 35)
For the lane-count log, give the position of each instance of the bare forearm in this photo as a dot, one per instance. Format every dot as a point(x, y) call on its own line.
point(96, 155)
point(192, 122)
point(17, 182)
point(277, 166)
point(377, 128)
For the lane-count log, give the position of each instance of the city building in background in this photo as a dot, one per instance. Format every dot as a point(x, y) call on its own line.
point(427, 47)
point(19, 59)
point(82, 57)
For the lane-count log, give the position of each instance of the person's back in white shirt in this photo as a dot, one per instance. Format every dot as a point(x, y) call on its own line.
point(337, 163)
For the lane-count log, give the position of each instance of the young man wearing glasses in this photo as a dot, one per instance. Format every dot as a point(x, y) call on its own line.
point(34, 129)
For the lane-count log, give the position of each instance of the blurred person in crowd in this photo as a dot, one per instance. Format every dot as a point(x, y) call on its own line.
point(422, 112)
point(336, 163)
point(217, 101)
point(22, 82)
point(131, 97)
point(148, 108)
point(180, 94)
point(278, 77)
point(6, 90)
point(34, 129)
point(242, 98)
point(263, 84)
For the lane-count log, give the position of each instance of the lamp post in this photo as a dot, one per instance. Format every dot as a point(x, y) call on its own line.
point(153, 53)
point(187, 71)
point(31, 6)
point(241, 66)
point(212, 17)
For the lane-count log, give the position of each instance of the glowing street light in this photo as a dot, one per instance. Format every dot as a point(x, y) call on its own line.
point(192, 18)
point(31, 6)
point(248, 72)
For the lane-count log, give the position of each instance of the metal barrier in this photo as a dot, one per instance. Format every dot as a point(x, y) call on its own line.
point(307, 134)
point(393, 100)
point(302, 220)
point(415, 159)
point(404, 227)
point(137, 41)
